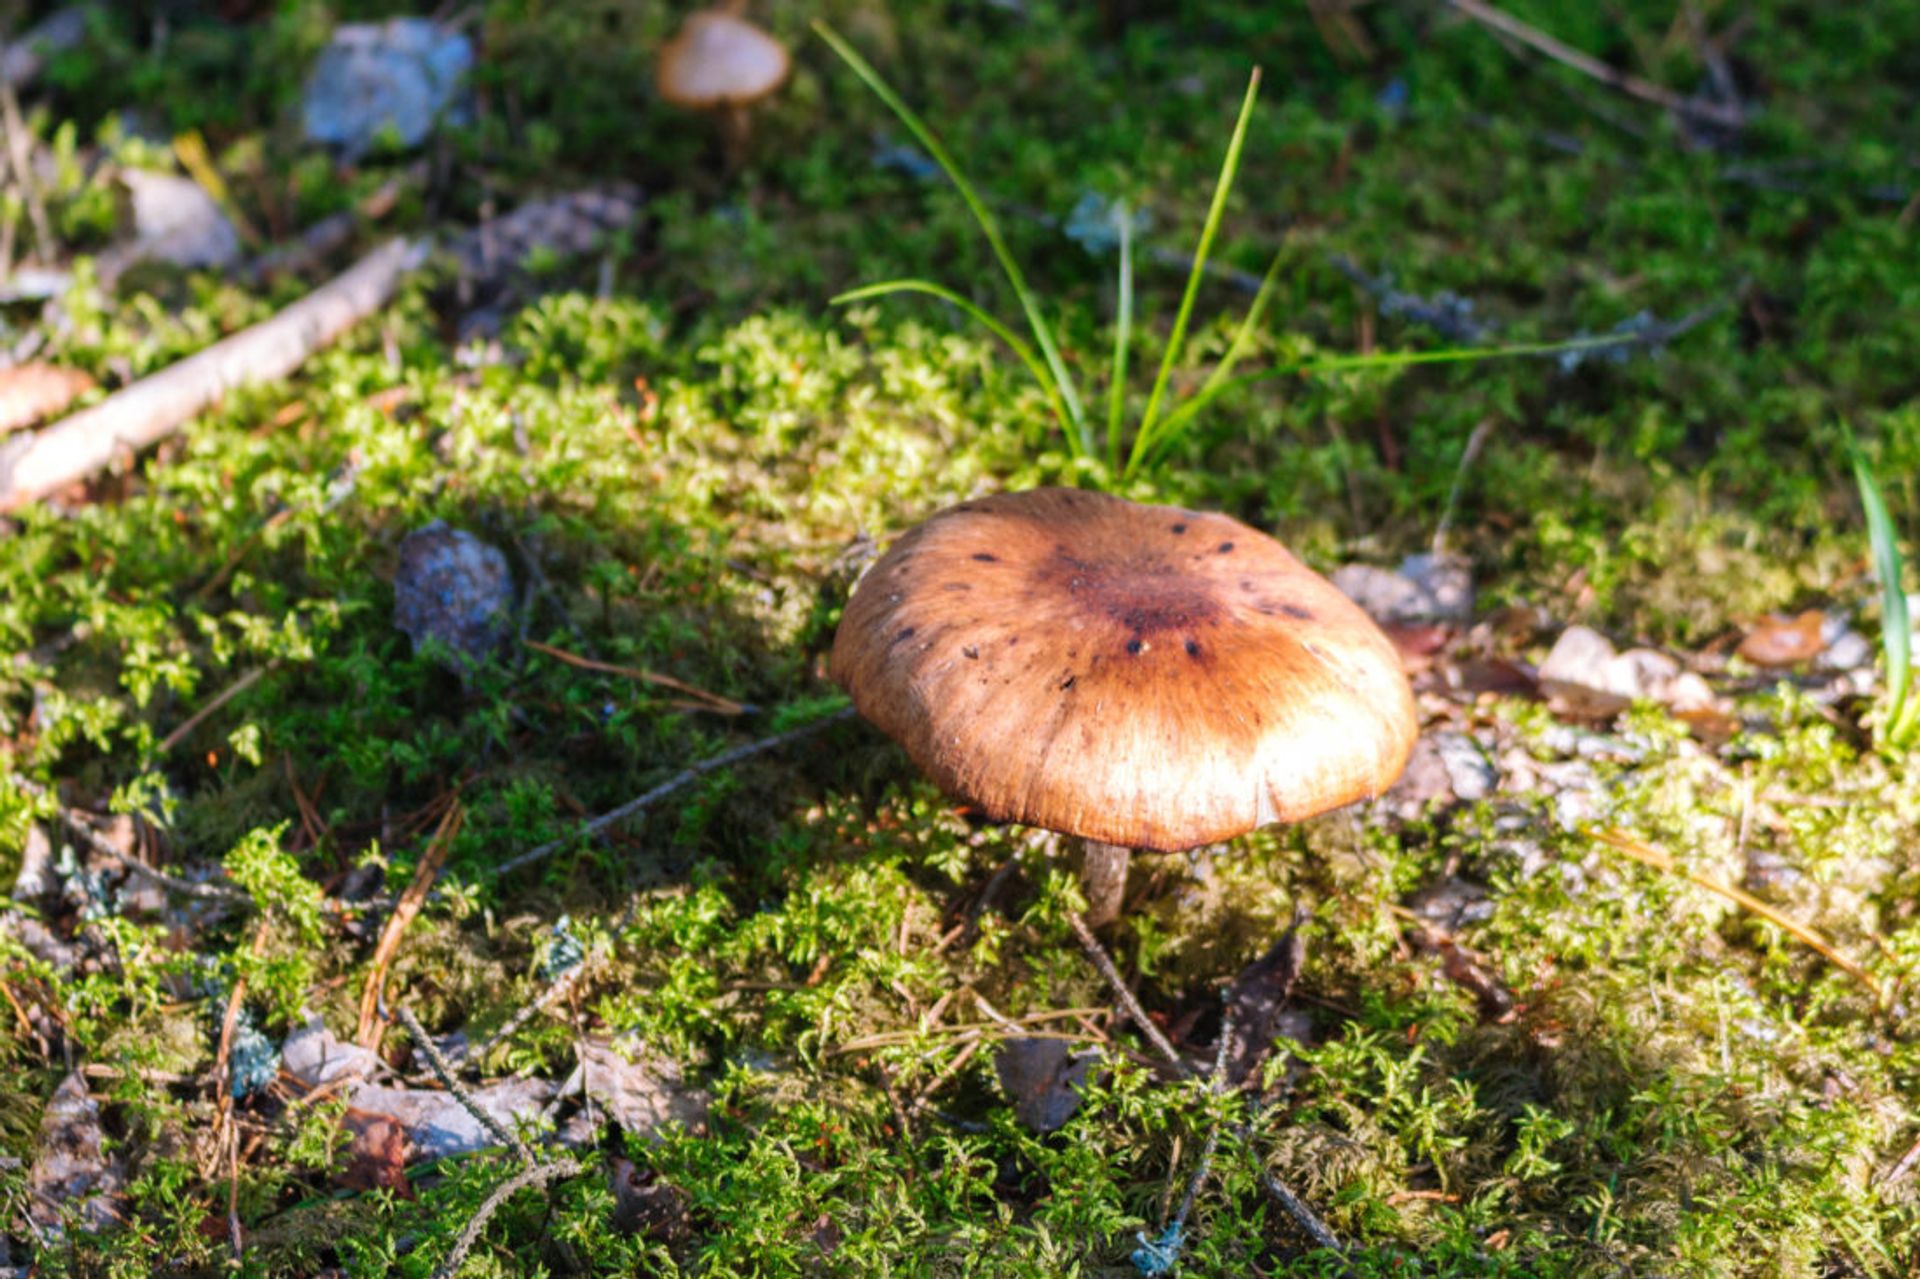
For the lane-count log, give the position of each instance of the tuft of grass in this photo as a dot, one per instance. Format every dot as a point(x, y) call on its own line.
point(1155, 434)
point(1900, 712)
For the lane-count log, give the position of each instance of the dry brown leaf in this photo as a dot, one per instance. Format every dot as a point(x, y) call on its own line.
point(377, 1159)
point(1785, 641)
point(1044, 1079)
point(1255, 1001)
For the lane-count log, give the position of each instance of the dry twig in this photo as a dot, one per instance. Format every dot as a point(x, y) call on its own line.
point(79, 823)
point(33, 466)
point(678, 782)
point(1294, 1206)
point(1719, 113)
point(437, 1062)
point(537, 1175)
point(702, 698)
point(526, 1013)
point(368, 1033)
point(226, 695)
point(1098, 954)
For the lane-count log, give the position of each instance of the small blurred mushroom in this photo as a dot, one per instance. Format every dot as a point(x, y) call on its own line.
point(720, 62)
point(1139, 676)
point(32, 392)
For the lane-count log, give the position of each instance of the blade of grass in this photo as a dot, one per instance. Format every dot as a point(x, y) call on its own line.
point(1372, 360)
point(1066, 396)
point(1896, 629)
point(1122, 340)
point(884, 288)
point(1215, 212)
point(1176, 422)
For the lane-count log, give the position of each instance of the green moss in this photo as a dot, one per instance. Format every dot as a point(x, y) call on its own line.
point(683, 474)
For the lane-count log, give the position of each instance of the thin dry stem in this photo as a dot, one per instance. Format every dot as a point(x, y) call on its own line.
point(368, 1032)
point(1661, 861)
point(1659, 95)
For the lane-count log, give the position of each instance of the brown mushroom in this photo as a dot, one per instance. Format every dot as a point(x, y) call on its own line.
point(1139, 676)
point(720, 62)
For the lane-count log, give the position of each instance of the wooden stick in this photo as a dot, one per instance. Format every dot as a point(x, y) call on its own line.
point(1588, 65)
point(33, 466)
point(537, 1175)
point(1098, 954)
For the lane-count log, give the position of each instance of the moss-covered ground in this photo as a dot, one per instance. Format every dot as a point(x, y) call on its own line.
point(684, 451)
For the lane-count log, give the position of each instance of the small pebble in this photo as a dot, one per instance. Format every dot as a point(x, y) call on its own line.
point(454, 588)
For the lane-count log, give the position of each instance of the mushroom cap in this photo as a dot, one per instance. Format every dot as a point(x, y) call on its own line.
point(1143, 675)
point(716, 60)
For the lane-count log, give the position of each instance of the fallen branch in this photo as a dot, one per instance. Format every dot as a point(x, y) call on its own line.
point(1161, 1254)
point(1661, 861)
point(33, 466)
point(78, 822)
point(1098, 954)
point(526, 1013)
point(1486, 15)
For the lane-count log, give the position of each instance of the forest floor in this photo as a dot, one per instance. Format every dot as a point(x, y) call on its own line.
point(1618, 981)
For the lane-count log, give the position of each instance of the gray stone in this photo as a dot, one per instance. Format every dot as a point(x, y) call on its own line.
point(454, 588)
point(404, 74)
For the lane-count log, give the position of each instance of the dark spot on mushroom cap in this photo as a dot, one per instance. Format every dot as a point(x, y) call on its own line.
point(1068, 681)
point(969, 651)
point(1179, 529)
point(906, 633)
point(1134, 645)
point(1140, 592)
point(1226, 548)
point(1297, 613)
point(1193, 648)
point(985, 558)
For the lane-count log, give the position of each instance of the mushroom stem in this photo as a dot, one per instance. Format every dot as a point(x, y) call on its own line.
point(735, 129)
point(1103, 878)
